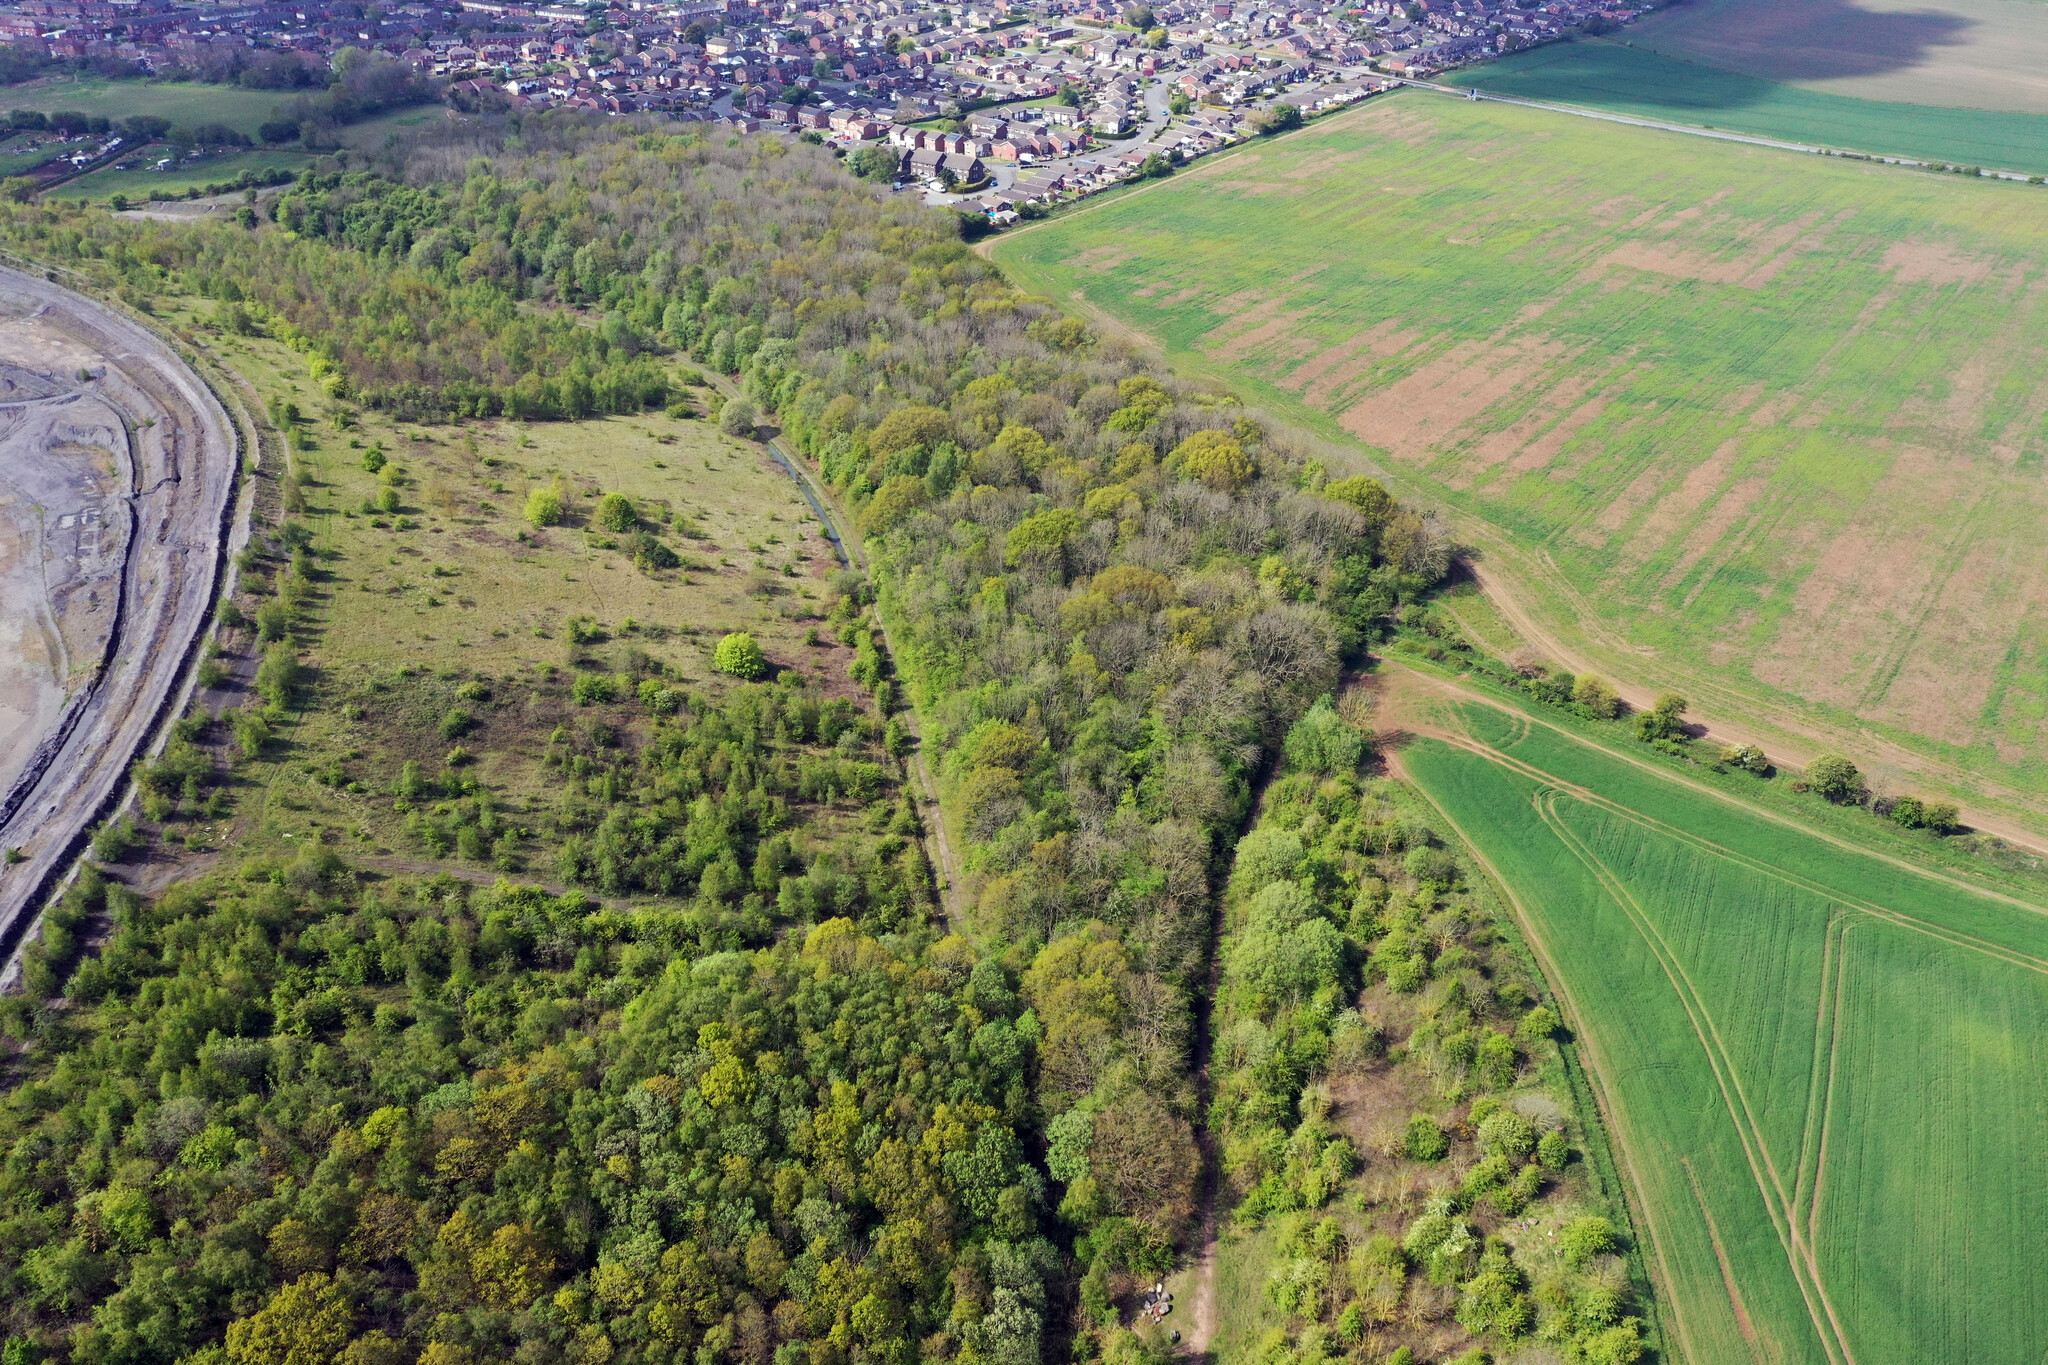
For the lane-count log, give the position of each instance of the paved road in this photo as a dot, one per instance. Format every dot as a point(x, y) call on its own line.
point(179, 468)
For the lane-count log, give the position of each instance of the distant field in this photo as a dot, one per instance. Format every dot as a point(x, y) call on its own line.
point(1765, 427)
point(1634, 80)
point(1824, 1069)
point(143, 184)
point(1974, 54)
point(182, 102)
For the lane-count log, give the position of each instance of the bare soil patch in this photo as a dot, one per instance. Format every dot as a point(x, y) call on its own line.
point(1426, 410)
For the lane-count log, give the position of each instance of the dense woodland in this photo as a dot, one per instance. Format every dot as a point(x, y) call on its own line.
point(295, 1117)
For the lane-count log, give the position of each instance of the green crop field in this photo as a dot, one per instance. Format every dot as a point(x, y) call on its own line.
point(1822, 1066)
point(1763, 427)
point(1634, 80)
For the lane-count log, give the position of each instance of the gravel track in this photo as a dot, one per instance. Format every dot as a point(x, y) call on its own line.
point(178, 474)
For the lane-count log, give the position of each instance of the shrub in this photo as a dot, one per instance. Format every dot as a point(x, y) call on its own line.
point(1747, 757)
point(1506, 1133)
point(1597, 695)
point(592, 689)
point(1426, 1140)
point(615, 513)
point(112, 842)
point(1584, 1238)
point(544, 507)
point(738, 655)
point(737, 419)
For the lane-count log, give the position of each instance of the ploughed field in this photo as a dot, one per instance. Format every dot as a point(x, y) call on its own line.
point(1823, 1067)
point(1762, 426)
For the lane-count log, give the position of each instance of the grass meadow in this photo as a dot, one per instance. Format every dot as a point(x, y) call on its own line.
point(1762, 427)
point(1821, 1065)
point(456, 588)
point(143, 184)
point(1630, 79)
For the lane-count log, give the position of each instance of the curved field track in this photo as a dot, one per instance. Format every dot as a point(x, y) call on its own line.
point(1823, 1064)
point(117, 468)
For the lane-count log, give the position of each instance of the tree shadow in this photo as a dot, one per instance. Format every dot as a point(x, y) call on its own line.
point(1817, 40)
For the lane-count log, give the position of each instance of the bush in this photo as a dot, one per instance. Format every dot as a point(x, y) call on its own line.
point(1583, 1239)
point(544, 507)
point(1597, 695)
point(592, 689)
point(738, 418)
point(615, 513)
point(738, 655)
point(1426, 1140)
point(112, 842)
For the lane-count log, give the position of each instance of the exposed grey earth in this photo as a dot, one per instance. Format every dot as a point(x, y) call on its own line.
point(116, 470)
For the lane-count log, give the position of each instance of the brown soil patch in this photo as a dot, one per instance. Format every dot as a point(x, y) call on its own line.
point(1322, 376)
point(1251, 330)
point(1425, 410)
point(1769, 251)
point(1538, 437)
point(1102, 259)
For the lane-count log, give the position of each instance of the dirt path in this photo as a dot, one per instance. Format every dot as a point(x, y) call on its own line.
point(924, 792)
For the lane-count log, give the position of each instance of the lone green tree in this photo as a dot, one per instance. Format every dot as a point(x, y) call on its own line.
point(544, 507)
point(740, 656)
point(1836, 778)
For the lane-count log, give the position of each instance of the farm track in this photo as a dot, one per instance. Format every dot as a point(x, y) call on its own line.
point(926, 793)
point(182, 462)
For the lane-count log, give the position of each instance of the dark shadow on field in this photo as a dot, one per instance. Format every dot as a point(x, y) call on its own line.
point(1814, 40)
point(1601, 71)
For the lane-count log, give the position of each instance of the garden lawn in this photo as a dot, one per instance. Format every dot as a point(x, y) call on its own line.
point(1822, 1067)
point(1762, 427)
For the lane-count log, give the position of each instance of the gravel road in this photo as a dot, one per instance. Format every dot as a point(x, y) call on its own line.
point(172, 457)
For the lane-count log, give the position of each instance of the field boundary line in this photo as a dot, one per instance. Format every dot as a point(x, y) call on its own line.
point(1742, 1319)
point(1726, 799)
point(1727, 1076)
point(1637, 1203)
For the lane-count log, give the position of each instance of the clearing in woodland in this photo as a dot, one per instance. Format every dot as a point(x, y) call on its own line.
point(1820, 1064)
point(1762, 427)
